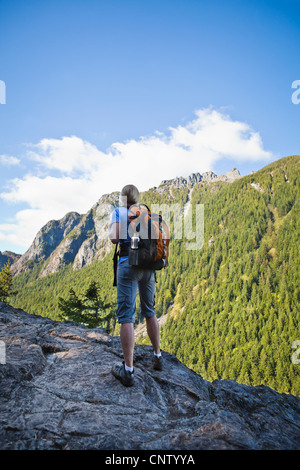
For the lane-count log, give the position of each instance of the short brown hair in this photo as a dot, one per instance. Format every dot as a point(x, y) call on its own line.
point(129, 195)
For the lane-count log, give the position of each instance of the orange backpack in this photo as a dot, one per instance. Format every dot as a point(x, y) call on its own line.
point(154, 237)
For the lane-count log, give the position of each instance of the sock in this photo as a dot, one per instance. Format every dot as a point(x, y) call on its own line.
point(129, 369)
point(157, 355)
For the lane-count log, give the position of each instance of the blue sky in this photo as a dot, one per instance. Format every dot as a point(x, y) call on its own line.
point(98, 92)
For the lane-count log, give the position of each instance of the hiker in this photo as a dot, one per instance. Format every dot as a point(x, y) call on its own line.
point(128, 279)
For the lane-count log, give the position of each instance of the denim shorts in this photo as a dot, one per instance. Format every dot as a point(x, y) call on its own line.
point(129, 279)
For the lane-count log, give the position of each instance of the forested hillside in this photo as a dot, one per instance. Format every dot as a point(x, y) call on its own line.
point(236, 311)
point(232, 306)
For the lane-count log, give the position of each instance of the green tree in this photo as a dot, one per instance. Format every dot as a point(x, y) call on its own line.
point(87, 308)
point(6, 283)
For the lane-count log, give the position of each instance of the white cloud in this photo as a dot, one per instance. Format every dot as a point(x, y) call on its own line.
point(217, 133)
point(71, 174)
point(8, 160)
point(68, 155)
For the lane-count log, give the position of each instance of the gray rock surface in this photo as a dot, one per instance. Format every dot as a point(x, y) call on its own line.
point(46, 241)
point(8, 256)
point(75, 239)
point(208, 177)
point(57, 392)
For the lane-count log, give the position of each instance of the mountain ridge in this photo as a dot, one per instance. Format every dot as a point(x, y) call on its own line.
point(208, 176)
point(80, 239)
point(8, 257)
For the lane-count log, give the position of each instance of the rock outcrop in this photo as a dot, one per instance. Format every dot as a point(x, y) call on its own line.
point(75, 239)
point(208, 177)
point(8, 256)
point(57, 392)
point(46, 241)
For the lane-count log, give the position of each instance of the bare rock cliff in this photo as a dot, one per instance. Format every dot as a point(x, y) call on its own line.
point(206, 177)
point(8, 257)
point(75, 239)
point(57, 392)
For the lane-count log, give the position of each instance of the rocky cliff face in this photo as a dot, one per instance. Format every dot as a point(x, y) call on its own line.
point(57, 392)
point(82, 239)
point(77, 239)
point(8, 256)
point(46, 241)
point(208, 177)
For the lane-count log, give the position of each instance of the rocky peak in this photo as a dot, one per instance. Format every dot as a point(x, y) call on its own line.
point(57, 392)
point(233, 174)
point(8, 256)
point(77, 239)
point(46, 241)
point(208, 176)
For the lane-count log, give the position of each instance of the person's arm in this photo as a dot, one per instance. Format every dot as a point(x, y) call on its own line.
point(113, 232)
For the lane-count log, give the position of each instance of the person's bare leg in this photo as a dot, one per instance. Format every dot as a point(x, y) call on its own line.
point(127, 341)
point(153, 333)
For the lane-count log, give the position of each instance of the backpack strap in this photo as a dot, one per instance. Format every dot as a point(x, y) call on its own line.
point(117, 253)
point(146, 207)
point(134, 215)
point(123, 251)
point(115, 259)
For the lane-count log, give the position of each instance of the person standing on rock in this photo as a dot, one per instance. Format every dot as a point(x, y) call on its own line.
point(129, 279)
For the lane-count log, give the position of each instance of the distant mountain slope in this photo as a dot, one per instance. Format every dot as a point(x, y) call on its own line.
point(82, 239)
point(75, 239)
point(8, 256)
point(208, 177)
point(236, 306)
